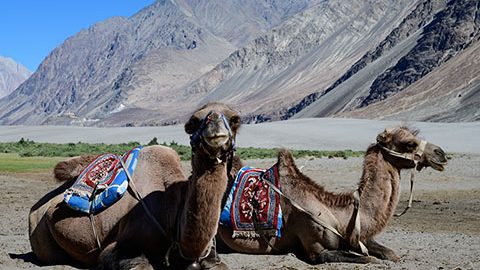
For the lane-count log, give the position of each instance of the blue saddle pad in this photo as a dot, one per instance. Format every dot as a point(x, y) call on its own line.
point(101, 183)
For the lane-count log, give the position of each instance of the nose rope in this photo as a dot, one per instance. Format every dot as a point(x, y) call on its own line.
point(415, 157)
point(195, 138)
point(229, 129)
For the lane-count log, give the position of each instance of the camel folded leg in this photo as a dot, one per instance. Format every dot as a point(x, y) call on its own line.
point(111, 258)
point(212, 261)
point(328, 256)
point(380, 251)
point(316, 251)
point(44, 245)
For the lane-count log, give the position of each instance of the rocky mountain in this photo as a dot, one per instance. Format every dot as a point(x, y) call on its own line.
point(309, 51)
point(272, 60)
point(126, 71)
point(12, 74)
point(435, 38)
point(449, 93)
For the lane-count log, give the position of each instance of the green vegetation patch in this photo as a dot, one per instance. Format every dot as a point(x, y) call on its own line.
point(12, 162)
point(261, 153)
point(28, 148)
point(25, 154)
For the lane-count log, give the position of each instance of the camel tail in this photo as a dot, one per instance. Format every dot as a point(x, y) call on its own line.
point(69, 169)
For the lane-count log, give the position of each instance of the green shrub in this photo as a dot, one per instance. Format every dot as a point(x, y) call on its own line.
point(28, 148)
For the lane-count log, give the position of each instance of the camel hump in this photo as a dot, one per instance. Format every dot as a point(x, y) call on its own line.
point(69, 169)
point(285, 158)
point(286, 164)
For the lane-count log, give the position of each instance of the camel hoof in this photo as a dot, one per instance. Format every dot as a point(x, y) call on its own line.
point(371, 259)
point(393, 257)
point(389, 256)
point(213, 265)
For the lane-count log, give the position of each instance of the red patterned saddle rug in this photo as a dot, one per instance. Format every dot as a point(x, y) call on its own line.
point(252, 205)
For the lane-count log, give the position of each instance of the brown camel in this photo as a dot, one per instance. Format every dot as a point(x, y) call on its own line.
point(186, 210)
point(378, 192)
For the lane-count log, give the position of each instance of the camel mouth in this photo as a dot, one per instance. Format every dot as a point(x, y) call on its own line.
point(216, 140)
point(437, 165)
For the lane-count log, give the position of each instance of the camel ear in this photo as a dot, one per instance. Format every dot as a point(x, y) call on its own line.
point(384, 138)
point(192, 124)
point(235, 123)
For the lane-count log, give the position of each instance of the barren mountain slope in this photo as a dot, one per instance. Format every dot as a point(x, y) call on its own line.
point(348, 89)
point(309, 51)
point(453, 27)
point(137, 64)
point(12, 75)
point(450, 93)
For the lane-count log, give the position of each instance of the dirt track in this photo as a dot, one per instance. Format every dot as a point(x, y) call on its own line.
point(442, 231)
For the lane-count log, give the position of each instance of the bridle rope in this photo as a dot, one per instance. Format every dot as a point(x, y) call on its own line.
point(415, 157)
point(196, 141)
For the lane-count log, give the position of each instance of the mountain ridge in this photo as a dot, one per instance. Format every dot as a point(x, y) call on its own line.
point(12, 74)
point(272, 60)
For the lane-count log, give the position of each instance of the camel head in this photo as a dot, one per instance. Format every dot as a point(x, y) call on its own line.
point(212, 130)
point(413, 151)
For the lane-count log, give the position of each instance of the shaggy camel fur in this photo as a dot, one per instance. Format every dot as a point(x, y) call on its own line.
point(379, 195)
point(187, 210)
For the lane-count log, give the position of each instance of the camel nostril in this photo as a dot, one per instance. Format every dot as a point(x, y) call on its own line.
point(439, 152)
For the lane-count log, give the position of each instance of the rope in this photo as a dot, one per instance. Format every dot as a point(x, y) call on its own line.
point(175, 244)
point(363, 248)
point(260, 231)
point(92, 222)
point(415, 157)
point(410, 197)
point(144, 205)
point(92, 218)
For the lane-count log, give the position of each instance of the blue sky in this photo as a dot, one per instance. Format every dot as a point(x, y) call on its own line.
point(30, 29)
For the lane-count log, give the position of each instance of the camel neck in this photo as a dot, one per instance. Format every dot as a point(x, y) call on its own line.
point(379, 191)
point(202, 206)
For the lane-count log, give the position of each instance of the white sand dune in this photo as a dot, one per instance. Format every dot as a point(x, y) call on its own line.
point(312, 133)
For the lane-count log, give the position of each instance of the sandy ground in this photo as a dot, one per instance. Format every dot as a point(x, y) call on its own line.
point(442, 231)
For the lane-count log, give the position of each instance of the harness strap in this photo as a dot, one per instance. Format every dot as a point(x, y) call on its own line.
point(151, 216)
point(363, 248)
point(92, 222)
point(175, 244)
point(260, 231)
point(415, 157)
point(410, 197)
point(140, 198)
point(92, 219)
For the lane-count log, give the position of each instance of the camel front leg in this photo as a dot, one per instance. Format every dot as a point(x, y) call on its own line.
point(321, 247)
point(112, 259)
point(213, 261)
point(328, 256)
point(380, 251)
